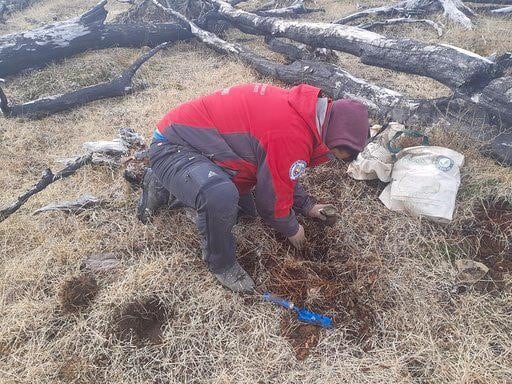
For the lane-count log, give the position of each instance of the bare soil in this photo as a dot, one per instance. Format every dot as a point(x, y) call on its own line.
point(141, 322)
point(321, 280)
point(77, 292)
point(495, 242)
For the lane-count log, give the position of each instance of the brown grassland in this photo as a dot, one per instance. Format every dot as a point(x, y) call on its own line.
point(387, 279)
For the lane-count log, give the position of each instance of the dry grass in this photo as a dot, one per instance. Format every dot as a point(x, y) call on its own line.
point(161, 317)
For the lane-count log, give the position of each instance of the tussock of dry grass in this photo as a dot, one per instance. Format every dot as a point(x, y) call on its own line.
point(161, 317)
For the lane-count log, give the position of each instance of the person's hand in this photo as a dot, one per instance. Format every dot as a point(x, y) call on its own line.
point(299, 238)
point(322, 211)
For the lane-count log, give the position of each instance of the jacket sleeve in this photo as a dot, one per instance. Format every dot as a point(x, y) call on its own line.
point(285, 160)
point(302, 202)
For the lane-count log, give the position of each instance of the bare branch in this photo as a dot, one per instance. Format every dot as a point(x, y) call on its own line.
point(502, 11)
point(81, 204)
point(453, 12)
point(403, 8)
point(119, 86)
point(47, 178)
point(297, 8)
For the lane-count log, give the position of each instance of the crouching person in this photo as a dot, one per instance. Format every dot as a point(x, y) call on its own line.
point(243, 149)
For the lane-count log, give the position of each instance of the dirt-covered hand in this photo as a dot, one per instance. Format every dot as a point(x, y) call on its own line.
point(299, 238)
point(322, 211)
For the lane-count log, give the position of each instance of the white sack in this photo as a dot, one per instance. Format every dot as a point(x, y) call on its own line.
point(375, 161)
point(425, 181)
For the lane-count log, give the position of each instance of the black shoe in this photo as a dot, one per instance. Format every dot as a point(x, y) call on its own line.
point(154, 195)
point(236, 279)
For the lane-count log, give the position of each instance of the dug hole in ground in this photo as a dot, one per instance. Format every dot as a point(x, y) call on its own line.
point(388, 280)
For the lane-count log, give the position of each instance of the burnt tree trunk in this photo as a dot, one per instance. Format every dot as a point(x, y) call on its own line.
point(496, 97)
point(38, 47)
point(383, 103)
point(119, 86)
point(452, 66)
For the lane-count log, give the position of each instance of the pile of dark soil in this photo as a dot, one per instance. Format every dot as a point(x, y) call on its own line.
point(77, 292)
point(323, 278)
point(495, 239)
point(141, 321)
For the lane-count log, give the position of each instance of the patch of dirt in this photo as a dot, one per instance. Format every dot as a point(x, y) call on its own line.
point(325, 277)
point(141, 321)
point(495, 239)
point(302, 337)
point(77, 292)
point(325, 288)
point(319, 242)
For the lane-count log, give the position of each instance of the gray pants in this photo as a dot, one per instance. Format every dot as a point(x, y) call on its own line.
point(199, 183)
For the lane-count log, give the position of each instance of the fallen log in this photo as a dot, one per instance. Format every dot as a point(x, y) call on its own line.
point(500, 149)
point(46, 106)
point(497, 98)
point(403, 8)
point(502, 11)
point(47, 178)
point(383, 103)
point(452, 66)
point(81, 204)
point(296, 9)
point(454, 10)
point(38, 47)
point(300, 51)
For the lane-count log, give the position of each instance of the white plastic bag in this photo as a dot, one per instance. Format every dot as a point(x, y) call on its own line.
point(375, 161)
point(425, 181)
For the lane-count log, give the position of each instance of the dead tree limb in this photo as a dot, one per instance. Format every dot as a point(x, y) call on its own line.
point(383, 103)
point(38, 47)
point(497, 98)
point(500, 149)
point(45, 106)
point(335, 82)
point(452, 66)
point(81, 204)
point(454, 10)
point(504, 61)
point(503, 2)
point(296, 9)
point(300, 51)
point(47, 178)
point(502, 11)
point(402, 20)
point(403, 8)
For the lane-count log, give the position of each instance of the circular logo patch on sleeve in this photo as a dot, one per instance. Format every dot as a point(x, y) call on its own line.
point(297, 169)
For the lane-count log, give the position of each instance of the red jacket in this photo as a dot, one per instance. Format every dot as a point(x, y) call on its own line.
point(265, 134)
